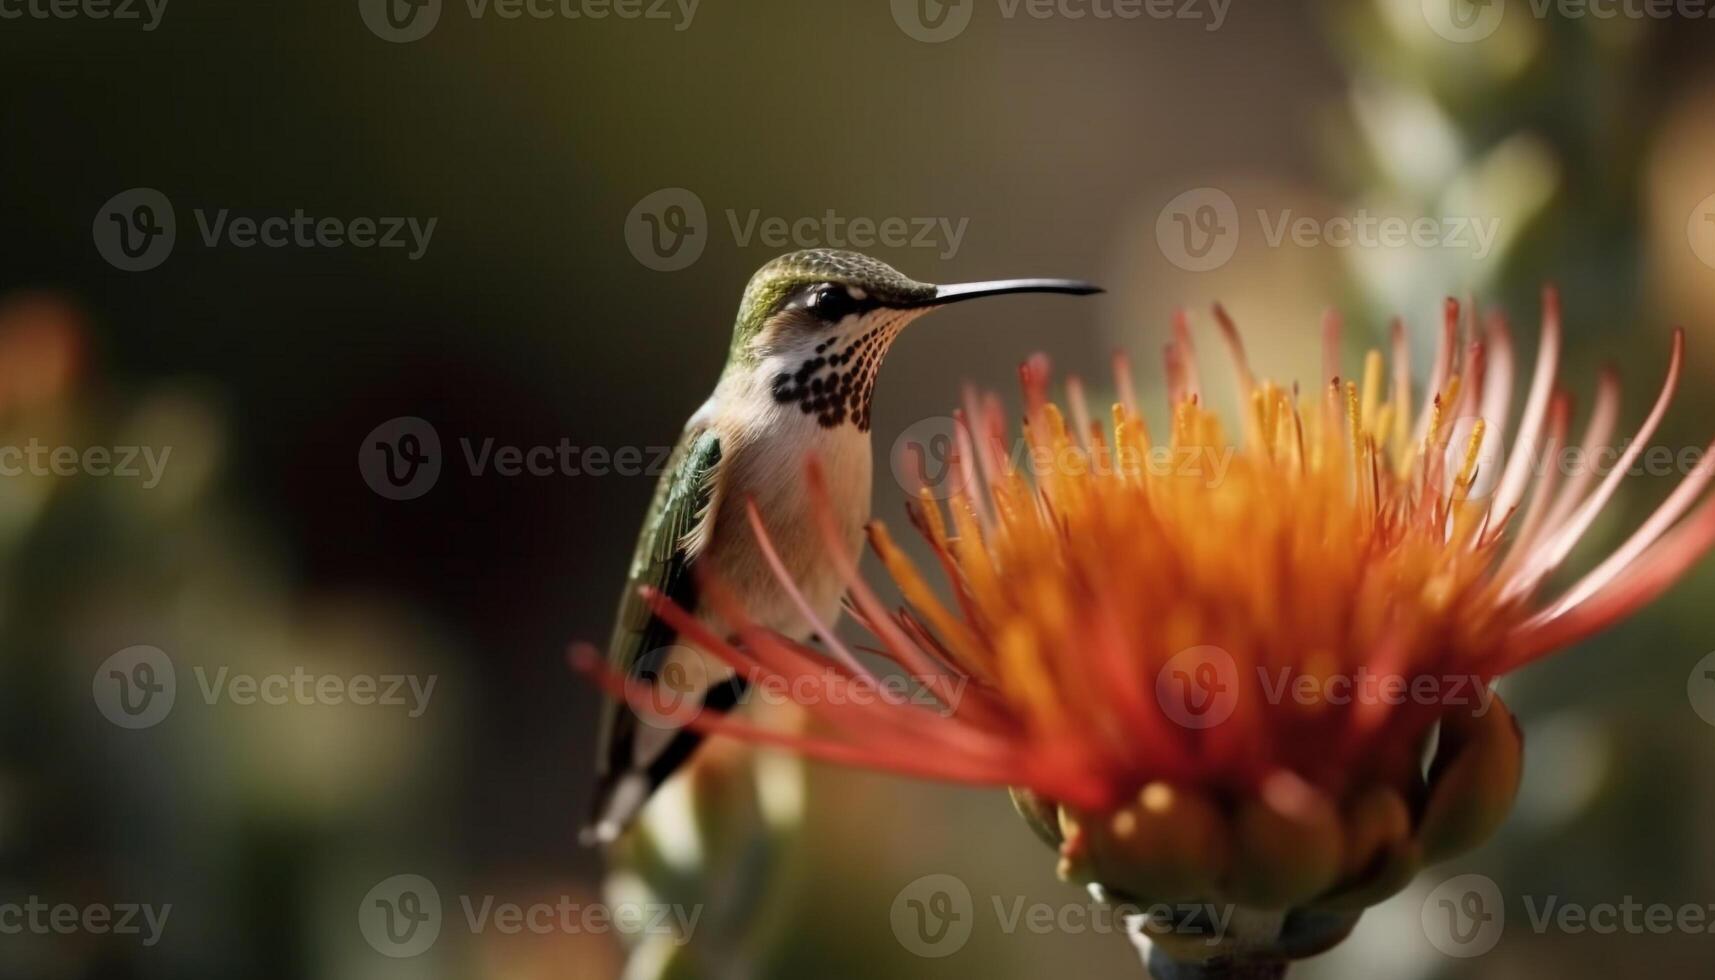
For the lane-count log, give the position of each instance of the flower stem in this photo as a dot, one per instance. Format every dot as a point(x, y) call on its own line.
point(1165, 967)
point(1252, 941)
point(1204, 941)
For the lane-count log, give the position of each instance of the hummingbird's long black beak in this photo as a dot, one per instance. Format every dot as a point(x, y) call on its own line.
point(959, 292)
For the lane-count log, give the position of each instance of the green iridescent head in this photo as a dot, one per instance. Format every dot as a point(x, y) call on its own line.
point(814, 288)
point(825, 282)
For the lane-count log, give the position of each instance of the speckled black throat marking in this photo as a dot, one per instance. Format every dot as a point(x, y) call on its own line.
point(836, 384)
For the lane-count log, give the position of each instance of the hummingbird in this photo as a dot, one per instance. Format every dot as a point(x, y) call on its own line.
point(812, 329)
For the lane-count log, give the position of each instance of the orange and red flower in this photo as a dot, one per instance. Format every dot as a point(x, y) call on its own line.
point(1351, 530)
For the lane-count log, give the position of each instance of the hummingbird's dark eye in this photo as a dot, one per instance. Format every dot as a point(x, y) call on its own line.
point(830, 302)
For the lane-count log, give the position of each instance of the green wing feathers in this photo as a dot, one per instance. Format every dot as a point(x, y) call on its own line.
point(683, 495)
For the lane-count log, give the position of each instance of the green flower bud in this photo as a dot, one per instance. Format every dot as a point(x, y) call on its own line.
point(1289, 845)
point(1381, 857)
point(1473, 780)
point(1170, 844)
point(1039, 814)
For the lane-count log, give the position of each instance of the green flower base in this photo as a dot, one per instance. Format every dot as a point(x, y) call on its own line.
point(1166, 968)
point(1259, 945)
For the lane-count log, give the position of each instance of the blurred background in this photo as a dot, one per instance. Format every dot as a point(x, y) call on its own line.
point(529, 227)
